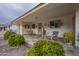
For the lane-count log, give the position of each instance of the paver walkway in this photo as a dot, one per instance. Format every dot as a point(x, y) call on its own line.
point(5, 50)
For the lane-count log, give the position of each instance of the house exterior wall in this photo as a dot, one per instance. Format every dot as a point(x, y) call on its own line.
point(66, 27)
point(21, 29)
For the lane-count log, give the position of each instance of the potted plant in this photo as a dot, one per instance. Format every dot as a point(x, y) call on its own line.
point(69, 37)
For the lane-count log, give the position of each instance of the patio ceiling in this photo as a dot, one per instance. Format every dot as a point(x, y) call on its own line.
point(48, 12)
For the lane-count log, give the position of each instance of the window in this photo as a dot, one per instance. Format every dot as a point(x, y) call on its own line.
point(39, 25)
point(33, 26)
point(55, 23)
point(51, 24)
point(27, 26)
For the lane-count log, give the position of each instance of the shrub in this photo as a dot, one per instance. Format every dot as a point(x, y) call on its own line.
point(16, 40)
point(11, 40)
point(19, 40)
point(46, 48)
point(68, 36)
point(7, 34)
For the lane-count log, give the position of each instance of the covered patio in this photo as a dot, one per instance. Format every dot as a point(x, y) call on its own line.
point(50, 17)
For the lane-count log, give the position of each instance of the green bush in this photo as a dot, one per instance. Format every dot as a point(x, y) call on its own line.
point(13, 38)
point(68, 36)
point(19, 40)
point(16, 40)
point(46, 48)
point(7, 34)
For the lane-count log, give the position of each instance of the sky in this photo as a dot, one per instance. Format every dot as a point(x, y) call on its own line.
point(10, 11)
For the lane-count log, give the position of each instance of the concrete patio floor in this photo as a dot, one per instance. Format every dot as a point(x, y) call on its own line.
point(71, 51)
point(5, 50)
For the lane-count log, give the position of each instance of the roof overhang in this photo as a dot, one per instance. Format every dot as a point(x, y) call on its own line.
point(46, 11)
point(38, 7)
